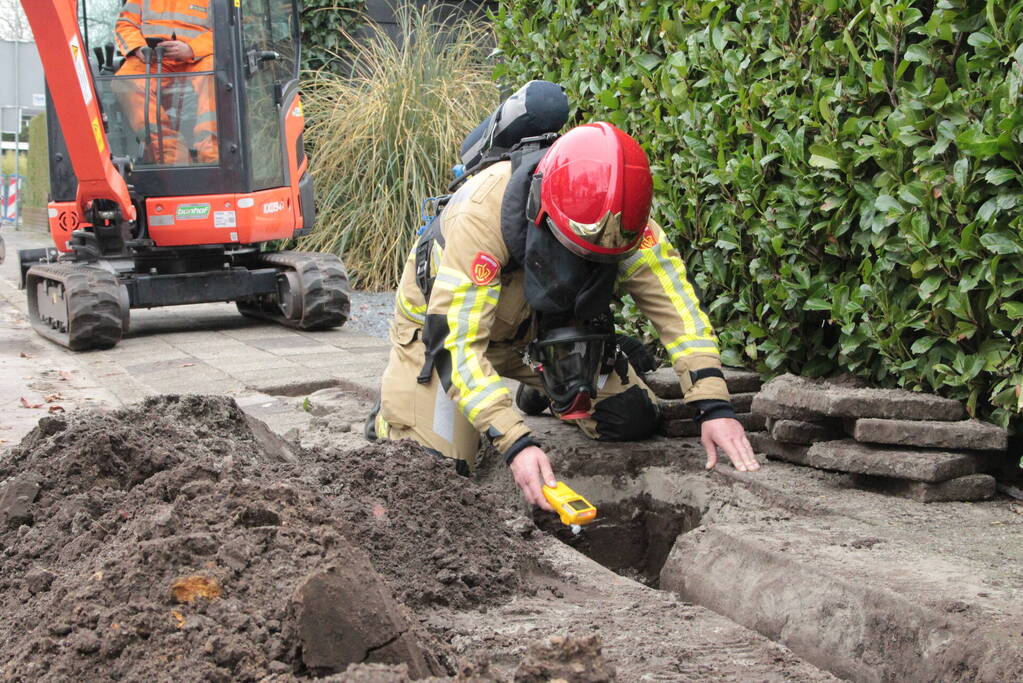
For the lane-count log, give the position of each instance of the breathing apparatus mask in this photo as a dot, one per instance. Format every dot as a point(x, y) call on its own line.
point(573, 360)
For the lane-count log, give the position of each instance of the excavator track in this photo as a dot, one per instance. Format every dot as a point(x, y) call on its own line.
point(77, 306)
point(313, 295)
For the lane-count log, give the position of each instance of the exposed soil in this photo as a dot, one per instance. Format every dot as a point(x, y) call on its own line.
point(166, 540)
point(180, 539)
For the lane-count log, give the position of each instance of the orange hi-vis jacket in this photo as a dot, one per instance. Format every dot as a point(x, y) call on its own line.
point(186, 20)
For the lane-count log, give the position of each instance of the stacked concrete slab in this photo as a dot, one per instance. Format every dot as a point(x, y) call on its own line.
point(677, 418)
point(895, 442)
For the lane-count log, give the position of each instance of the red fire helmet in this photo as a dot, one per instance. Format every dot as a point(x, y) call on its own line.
point(595, 191)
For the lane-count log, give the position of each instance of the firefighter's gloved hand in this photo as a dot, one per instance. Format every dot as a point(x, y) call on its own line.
point(532, 469)
point(727, 434)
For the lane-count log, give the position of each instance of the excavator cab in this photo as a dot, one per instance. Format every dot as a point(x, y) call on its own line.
point(169, 175)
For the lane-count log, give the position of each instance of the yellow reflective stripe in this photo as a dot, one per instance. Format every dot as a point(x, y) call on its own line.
point(689, 344)
point(416, 314)
point(671, 274)
point(476, 389)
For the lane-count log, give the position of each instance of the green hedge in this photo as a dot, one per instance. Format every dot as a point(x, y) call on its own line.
point(325, 26)
point(37, 171)
point(843, 176)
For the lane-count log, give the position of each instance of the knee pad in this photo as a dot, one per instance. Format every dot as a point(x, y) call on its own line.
point(628, 416)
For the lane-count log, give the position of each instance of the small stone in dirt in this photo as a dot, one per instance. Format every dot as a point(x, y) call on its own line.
point(16, 498)
point(189, 588)
point(39, 581)
point(348, 616)
point(579, 660)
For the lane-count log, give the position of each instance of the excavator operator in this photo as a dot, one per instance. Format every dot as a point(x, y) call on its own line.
point(525, 264)
point(168, 36)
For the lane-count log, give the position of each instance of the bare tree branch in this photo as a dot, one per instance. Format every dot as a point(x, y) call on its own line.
point(13, 24)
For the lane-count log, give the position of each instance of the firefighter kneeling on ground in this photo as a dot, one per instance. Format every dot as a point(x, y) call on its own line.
point(518, 282)
point(182, 31)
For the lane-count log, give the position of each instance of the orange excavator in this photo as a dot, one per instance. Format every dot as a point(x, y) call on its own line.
point(167, 184)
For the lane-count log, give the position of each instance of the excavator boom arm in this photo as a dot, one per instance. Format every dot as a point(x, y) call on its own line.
point(62, 51)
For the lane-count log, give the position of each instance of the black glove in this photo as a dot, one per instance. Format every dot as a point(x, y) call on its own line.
point(638, 354)
point(628, 416)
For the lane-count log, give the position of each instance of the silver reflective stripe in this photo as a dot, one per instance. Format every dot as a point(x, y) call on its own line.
point(444, 415)
point(178, 16)
point(150, 28)
point(123, 46)
point(131, 7)
point(481, 395)
point(207, 117)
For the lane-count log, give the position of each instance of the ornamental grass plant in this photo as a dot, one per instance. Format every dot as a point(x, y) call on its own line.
point(384, 135)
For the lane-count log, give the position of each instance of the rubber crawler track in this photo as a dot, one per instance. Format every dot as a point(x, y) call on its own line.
point(326, 300)
point(93, 299)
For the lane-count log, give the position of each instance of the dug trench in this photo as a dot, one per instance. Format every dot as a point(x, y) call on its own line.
point(865, 586)
point(182, 539)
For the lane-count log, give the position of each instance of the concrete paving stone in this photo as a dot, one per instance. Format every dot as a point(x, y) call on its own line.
point(678, 428)
point(676, 409)
point(842, 401)
point(689, 427)
point(968, 488)
point(204, 337)
point(244, 364)
point(664, 382)
point(295, 351)
point(207, 387)
point(294, 340)
point(318, 360)
point(766, 403)
point(340, 334)
point(259, 332)
point(775, 450)
point(163, 365)
point(805, 433)
point(899, 463)
point(743, 402)
point(966, 434)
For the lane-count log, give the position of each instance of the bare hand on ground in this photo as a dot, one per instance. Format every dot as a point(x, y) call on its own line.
point(728, 435)
point(531, 470)
point(177, 50)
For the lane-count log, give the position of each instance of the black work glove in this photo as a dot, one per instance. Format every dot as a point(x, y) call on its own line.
point(628, 416)
point(638, 354)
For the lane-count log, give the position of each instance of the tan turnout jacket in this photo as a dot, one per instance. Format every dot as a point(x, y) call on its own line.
point(484, 308)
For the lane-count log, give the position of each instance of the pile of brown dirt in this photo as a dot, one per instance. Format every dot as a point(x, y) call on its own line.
point(170, 539)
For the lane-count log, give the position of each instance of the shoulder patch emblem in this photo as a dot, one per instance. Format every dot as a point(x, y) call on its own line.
point(484, 268)
point(649, 239)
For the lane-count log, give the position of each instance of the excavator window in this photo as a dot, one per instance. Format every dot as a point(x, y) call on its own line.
point(152, 63)
point(269, 37)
